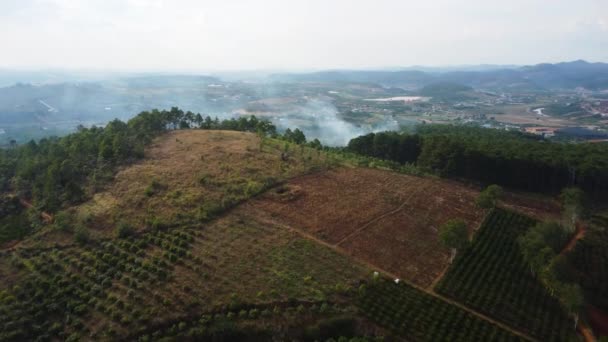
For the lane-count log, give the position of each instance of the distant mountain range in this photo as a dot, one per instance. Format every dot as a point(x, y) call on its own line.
point(567, 76)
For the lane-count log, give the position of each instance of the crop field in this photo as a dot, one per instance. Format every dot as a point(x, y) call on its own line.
point(492, 277)
point(389, 220)
point(421, 317)
point(296, 320)
point(112, 288)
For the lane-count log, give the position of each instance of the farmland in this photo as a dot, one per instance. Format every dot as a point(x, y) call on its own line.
point(231, 235)
point(377, 216)
point(414, 315)
point(110, 288)
point(492, 277)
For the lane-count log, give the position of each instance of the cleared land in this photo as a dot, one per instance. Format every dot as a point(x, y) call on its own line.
point(523, 115)
point(537, 206)
point(386, 219)
point(188, 176)
point(195, 173)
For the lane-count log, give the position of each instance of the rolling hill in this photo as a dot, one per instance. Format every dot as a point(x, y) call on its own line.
point(566, 75)
point(233, 236)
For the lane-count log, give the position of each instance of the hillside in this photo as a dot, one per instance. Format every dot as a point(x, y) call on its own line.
point(202, 259)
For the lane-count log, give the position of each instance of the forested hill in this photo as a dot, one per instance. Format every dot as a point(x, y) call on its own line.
point(490, 156)
point(54, 173)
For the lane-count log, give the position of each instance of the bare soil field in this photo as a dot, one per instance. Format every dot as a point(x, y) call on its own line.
point(523, 115)
point(386, 219)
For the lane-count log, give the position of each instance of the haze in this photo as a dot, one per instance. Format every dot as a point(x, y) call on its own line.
point(157, 35)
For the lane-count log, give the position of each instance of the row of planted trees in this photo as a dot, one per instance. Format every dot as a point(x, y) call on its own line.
point(540, 247)
point(418, 316)
point(114, 281)
point(491, 276)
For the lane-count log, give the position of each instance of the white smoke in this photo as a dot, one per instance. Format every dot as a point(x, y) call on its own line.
point(319, 119)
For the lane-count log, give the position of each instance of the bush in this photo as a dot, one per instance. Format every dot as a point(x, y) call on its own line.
point(81, 235)
point(124, 230)
point(153, 188)
point(489, 197)
point(157, 224)
point(62, 222)
point(338, 326)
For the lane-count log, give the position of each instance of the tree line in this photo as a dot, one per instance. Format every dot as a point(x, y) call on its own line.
point(489, 156)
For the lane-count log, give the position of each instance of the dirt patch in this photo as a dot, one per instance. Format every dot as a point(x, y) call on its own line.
point(534, 205)
point(523, 115)
point(598, 320)
point(387, 219)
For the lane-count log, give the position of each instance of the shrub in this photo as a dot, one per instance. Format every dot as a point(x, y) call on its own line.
point(154, 187)
point(489, 197)
point(62, 222)
point(81, 235)
point(253, 313)
point(124, 230)
point(157, 224)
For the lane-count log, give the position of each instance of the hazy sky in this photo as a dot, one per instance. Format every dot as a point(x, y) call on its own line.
point(214, 35)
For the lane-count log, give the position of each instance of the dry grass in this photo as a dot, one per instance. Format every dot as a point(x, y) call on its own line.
point(189, 174)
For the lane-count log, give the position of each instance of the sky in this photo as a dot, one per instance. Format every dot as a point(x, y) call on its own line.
point(222, 35)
